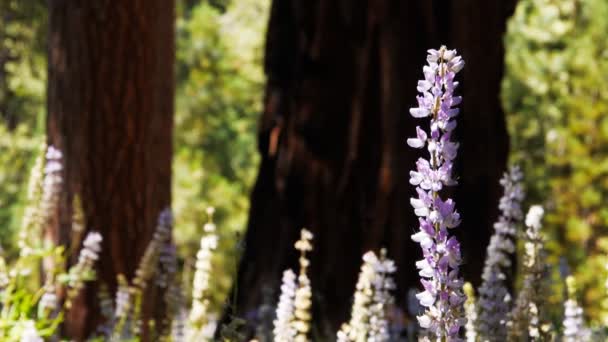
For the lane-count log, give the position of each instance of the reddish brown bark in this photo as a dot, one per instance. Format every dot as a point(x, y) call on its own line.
point(110, 108)
point(341, 78)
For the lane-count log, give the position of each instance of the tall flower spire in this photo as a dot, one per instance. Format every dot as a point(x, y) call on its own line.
point(283, 329)
point(442, 296)
point(293, 310)
point(368, 321)
point(199, 314)
point(494, 298)
point(527, 321)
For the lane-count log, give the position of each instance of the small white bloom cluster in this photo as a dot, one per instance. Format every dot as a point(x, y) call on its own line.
point(372, 297)
point(574, 327)
point(494, 298)
point(293, 310)
point(534, 217)
point(202, 276)
point(525, 316)
point(303, 296)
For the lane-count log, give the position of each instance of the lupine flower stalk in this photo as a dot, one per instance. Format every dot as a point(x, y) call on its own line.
point(371, 301)
point(176, 311)
point(303, 295)
point(178, 326)
point(283, 329)
point(32, 216)
point(106, 308)
point(51, 185)
point(84, 268)
point(265, 315)
point(382, 299)
point(442, 296)
point(494, 298)
point(470, 309)
point(574, 329)
point(149, 261)
point(525, 319)
point(202, 277)
point(166, 278)
point(122, 310)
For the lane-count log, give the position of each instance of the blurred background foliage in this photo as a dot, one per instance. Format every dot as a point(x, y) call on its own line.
point(555, 94)
point(219, 92)
point(220, 84)
point(22, 89)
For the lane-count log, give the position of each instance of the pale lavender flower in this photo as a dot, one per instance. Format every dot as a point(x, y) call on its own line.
point(371, 301)
point(167, 265)
point(51, 185)
point(148, 264)
point(91, 246)
point(123, 301)
point(84, 268)
point(494, 298)
point(442, 296)
point(526, 322)
point(383, 285)
point(283, 329)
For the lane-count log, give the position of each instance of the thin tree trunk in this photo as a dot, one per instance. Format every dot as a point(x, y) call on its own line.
point(341, 78)
point(110, 109)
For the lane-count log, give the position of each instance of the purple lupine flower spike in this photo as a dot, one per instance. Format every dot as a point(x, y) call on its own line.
point(494, 299)
point(443, 297)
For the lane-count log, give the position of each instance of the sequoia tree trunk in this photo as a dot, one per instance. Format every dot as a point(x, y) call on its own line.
point(110, 110)
point(341, 78)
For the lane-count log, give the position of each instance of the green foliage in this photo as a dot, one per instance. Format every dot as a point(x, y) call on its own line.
point(22, 60)
point(22, 89)
point(220, 89)
point(555, 93)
